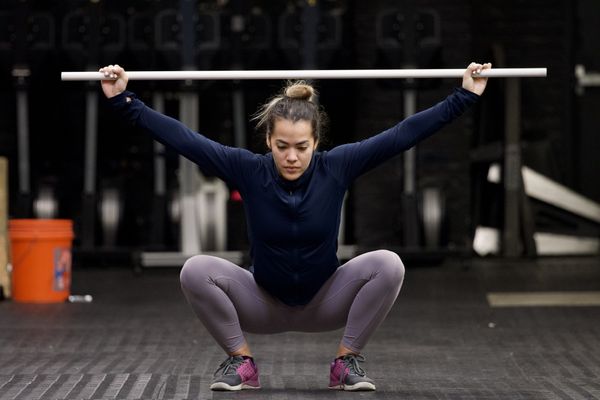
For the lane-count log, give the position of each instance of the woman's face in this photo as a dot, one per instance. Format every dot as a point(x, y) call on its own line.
point(292, 144)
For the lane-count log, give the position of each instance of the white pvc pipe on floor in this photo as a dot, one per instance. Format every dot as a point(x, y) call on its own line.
point(310, 74)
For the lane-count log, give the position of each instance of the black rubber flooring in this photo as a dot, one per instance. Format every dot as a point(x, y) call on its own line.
point(139, 340)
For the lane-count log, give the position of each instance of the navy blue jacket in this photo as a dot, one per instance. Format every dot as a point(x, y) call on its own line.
point(293, 225)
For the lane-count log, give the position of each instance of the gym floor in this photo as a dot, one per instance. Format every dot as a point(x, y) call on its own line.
point(442, 340)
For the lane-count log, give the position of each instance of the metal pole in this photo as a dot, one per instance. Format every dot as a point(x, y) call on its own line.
point(89, 170)
point(23, 136)
point(159, 204)
point(410, 221)
point(188, 114)
point(91, 136)
point(310, 23)
point(238, 26)
point(188, 171)
point(512, 169)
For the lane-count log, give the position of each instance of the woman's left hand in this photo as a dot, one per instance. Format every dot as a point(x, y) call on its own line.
point(472, 82)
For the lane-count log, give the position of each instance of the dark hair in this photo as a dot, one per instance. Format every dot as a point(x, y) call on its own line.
point(296, 102)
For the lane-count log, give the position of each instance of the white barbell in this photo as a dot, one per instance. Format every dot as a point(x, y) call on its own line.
point(310, 74)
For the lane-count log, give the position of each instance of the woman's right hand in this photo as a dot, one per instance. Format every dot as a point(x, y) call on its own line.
point(114, 86)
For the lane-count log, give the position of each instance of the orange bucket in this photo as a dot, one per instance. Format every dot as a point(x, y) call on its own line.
point(41, 259)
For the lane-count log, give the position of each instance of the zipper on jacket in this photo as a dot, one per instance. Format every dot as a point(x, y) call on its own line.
point(295, 262)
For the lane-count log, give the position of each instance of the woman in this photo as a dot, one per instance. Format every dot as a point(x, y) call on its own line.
point(292, 198)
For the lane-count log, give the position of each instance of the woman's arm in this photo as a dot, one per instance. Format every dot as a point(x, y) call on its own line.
point(228, 163)
point(351, 160)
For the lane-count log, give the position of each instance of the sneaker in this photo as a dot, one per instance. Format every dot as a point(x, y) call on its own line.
point(346, 374)
point(236, 373)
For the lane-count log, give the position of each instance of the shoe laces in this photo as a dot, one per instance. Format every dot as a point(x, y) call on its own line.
point(351, 361)
point(230, 365)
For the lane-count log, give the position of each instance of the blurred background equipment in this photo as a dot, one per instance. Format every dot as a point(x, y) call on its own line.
point(5, 286)
point(72, 158)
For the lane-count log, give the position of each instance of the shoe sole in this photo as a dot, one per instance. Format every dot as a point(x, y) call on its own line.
point(223, 387)
point(360, 386)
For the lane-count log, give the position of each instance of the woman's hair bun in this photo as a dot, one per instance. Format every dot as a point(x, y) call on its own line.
point(299, 90)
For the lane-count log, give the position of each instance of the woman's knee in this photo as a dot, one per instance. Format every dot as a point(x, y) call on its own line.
point(391, 266)
point(195, 270)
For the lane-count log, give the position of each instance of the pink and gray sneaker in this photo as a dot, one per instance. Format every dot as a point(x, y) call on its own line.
point(236, 373)
point(346, 374)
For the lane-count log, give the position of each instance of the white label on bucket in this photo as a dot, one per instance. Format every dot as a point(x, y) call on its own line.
point(62, 268)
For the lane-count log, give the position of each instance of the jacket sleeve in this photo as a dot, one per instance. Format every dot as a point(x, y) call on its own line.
point(228, 163)
point(349, 161)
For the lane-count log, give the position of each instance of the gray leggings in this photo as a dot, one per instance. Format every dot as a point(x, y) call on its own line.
point(228, 301)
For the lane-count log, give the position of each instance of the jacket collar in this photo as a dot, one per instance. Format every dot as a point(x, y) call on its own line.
point(298, 183)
